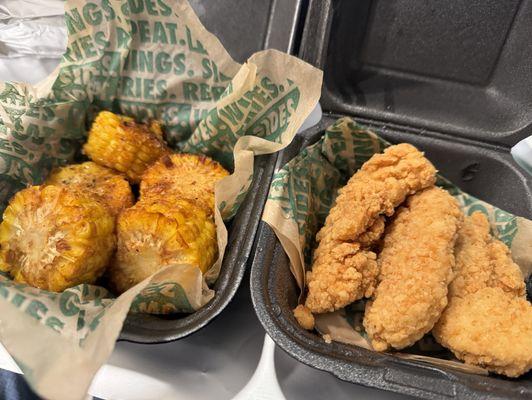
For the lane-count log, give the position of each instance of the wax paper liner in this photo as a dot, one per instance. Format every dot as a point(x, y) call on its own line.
point(146, 59)
point(303, 192)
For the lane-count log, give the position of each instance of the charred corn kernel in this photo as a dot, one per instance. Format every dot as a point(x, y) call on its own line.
point(54, 238)
point(156, 128)
point(152, 235)
point(118, 142)
point(187, 176)
point(105, 185)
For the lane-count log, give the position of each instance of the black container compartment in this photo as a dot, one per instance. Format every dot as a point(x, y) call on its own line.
point(243, 31)
point(461, 67)
point(454, 79)
point(474, 169)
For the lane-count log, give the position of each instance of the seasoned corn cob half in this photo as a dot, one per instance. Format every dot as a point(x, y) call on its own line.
point(154, 234)
point(54, 238)
point(187, 176)
point(118, 142)
point(105, 185)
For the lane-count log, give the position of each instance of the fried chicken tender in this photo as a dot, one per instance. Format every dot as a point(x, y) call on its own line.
point(103, 184)
point(482, 261)
point(120, 143)
point(188, 176)
point(54, 238)
point(381, 184)
point(154, 234)
point(416, 265)
point(491, 328)
point(488, 321)
point(344, 270)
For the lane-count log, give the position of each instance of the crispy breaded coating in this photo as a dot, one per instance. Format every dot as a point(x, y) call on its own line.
point(506, 273)
point(304, 317)
point(103, 184)
point(490, 328)
point(373, 234)
point(416, 265)
point(53, 238)
point(344, 270)
point(488, 321)
point(365, 240)
point(381, 184)
point(482, 261)
point(341, 274)
point(183, 175)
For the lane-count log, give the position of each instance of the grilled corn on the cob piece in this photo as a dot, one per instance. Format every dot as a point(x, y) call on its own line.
point(118, 142)
point(54, 238)
point(154, 234)
point(188, 176)
point(103, 184)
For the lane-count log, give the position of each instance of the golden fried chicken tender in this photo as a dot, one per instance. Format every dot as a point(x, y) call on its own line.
point(154, 234)
point(482, 261)
point(416, 265)
point(120, 143)
point(491, 328)
point(344, 270)
point(54, 238)
point(188, 176)
point(381, 184)
point(103, 184)
point(488, 321)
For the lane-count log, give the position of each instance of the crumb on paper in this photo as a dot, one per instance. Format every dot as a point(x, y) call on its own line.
point(304, 317)
point(327, 338)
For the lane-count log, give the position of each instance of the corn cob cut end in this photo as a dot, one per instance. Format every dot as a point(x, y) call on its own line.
point(53, 238)
point(152, 235)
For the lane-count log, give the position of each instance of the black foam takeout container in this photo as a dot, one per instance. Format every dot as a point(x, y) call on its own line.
point(243, 31)
point(454, 79)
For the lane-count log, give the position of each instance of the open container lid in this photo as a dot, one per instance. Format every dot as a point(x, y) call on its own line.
point(460, 67)
point(269, 24)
